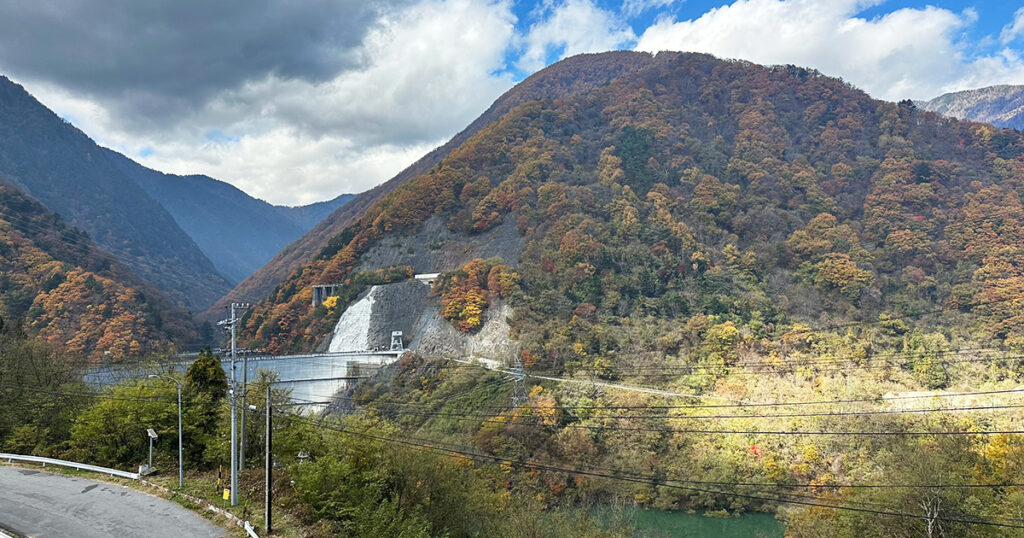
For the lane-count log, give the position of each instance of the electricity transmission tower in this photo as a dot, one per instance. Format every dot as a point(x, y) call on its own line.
point(519, 395)
point(231, 324)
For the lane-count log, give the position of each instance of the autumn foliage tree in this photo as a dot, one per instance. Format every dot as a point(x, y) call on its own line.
point(467, 292)
point(762, 196)
point(68, 292)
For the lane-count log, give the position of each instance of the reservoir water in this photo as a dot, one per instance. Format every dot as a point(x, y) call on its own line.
point(677, 524)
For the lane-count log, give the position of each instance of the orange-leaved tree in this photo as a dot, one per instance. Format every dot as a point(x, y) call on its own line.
point(465, 293)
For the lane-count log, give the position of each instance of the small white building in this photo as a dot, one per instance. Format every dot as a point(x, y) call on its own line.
point(427, 278)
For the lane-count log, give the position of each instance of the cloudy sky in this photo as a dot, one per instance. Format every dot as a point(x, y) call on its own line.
point(296, 101)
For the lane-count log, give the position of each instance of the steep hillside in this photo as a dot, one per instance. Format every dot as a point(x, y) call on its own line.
point(575, 75)
point(692, 186)
point(67, 172)
point(63, 288)
point(237, 232)
point(1002, 106)
point(732, 288)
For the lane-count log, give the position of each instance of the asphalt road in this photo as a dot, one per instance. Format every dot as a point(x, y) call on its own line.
point(34, 503)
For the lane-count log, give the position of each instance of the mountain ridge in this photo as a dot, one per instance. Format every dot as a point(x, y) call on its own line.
point(790, 193)
point(192, 236)
point(237, 232)
point(61, 167)
point(576, 74)
point(1001, 105)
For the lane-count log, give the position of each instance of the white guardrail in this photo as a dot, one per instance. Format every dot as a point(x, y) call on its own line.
point(71, 464)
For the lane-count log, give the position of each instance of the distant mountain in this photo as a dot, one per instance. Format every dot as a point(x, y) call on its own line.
point(192, 236)
point(1002, 106)
point(67, 172)
point(237, 232)
point(308, 216)
point(65, 289)
point(575, 75)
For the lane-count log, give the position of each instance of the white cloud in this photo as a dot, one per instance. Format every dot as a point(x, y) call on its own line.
point(632, 8)
point(427, 73)
point(287, 167)
point(1013, 30)
point(420, 73)
point(424, 73)
point(573, 27)
point(907, 53)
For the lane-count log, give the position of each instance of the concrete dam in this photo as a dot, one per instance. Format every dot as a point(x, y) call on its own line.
point(372, 332)
point(312, 379)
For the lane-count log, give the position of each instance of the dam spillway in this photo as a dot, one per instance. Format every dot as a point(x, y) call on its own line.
point(352, 332)
point(370, 320)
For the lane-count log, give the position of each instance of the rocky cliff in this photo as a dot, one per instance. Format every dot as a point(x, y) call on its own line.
point(410, 307)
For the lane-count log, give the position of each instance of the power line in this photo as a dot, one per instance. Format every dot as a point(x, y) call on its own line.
point(763, 364)
point(757, 484)
point(800, 402)
point(759, 404)
point(668, 393)
point(476, 416)
point(654, 481)
point(458, 448)
point(944, 433)
point(487, 419)
point(777, 415)
point(804, 362)
point(490, 384)
point(726, 371)
point(824, 414)
point(86, 394)
point(768, 368)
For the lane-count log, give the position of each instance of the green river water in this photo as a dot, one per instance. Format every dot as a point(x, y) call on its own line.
point(684, 525)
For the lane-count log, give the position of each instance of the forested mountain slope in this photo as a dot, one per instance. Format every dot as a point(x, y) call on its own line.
point(237, 232)
point(696, 186)
point(573, 76)
point(1002, 106)
point(63, 288)
point(824, 289)
point(62, 168)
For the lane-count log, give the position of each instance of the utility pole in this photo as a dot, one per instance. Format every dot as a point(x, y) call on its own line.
point(268, 462)
point(232, 324)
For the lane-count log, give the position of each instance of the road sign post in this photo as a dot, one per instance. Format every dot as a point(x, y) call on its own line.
point(152, 437)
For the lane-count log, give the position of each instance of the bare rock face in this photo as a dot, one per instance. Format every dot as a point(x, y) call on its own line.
point(398, 307)
point(1002, 106)
point(438, 338)
point(435, 248)
point(571, 76)
point(409, 307)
